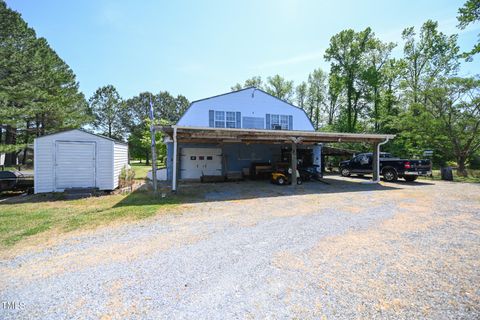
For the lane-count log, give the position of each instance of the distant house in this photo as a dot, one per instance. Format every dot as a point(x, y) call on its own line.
point(236, 131)
point(77, 159)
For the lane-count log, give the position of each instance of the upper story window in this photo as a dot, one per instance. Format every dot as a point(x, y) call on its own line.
point(219, 119)
point(279, 122)
point(224, 119)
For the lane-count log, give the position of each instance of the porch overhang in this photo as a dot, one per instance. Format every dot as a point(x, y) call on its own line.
point(228, 135)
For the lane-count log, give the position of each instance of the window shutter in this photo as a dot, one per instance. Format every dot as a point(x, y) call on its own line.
point(290, 122)
point(239, 119)
point(267, 122)
point(211, 118)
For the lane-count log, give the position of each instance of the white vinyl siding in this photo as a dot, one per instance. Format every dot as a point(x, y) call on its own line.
point(247, 103)
point(46, 154)
point(120, 160)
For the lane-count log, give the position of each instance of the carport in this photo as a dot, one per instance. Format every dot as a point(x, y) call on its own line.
point(181, 134)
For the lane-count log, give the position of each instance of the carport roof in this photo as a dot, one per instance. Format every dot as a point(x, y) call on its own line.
point(216, 135)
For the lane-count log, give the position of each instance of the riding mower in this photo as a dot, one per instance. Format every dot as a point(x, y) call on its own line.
point(280, 177)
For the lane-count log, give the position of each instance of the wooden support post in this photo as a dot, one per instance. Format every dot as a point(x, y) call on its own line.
point(294, 163)
point(175, 161)
point(376, 162)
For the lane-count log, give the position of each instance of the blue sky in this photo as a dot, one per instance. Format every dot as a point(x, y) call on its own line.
point(201, 48)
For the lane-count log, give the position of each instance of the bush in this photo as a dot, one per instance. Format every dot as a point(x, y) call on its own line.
point(127, 176)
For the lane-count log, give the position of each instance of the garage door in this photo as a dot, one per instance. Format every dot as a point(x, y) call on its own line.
point(195, 162)
point(74, 164)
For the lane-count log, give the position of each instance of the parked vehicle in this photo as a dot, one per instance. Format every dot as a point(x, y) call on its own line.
point(391, 168)
point(283, 177)
point(308, 173)
point(16, 181)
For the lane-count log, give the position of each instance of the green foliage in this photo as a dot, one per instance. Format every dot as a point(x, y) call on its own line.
point(468, 14)
point(109, 112)
point(38, 91)
point(279, 87)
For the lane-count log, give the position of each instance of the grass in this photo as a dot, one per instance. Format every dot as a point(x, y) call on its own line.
point(23, 217)
point(473, 176)
point(31, 215)
point(141, 169)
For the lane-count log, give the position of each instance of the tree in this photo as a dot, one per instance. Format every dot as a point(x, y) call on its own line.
point(377, 55)
point(346, 53)
point(434, 55)
point(38, 91)
point(335, 87)
point(279, 87)
point(316, 95)
point(166, 107)
point(301, 95)
point(109, 112)
point(255, 81)
point(454, 104)
point(468, 14)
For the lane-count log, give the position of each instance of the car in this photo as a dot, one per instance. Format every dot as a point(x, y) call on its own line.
point(391, 168)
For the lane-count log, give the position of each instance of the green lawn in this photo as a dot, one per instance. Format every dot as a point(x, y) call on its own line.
point(21, 217)
point(473, 176)
point(30, 215)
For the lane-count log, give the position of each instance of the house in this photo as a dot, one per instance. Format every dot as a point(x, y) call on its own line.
point(240, 130)
point(77, 159)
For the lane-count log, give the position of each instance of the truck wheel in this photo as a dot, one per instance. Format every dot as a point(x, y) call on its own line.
point(345, 172)
point(410, 178)
point(390, 175)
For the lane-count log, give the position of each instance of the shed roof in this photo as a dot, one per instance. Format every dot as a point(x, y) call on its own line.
point(84, 131)
point(209, 135)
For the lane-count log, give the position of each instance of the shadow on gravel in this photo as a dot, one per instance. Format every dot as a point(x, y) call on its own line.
point(242, 190)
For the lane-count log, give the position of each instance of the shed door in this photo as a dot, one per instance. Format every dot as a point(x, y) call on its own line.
point(74, 164)
point(195, 162)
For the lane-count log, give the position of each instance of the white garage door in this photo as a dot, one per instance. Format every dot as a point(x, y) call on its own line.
point(74, 164)
point(195, 162)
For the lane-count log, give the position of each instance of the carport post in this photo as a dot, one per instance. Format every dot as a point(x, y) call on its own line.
point(376, 162)
point(294, 163)
point(175, 160)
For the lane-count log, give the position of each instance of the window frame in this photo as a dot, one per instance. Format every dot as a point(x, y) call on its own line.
point(280, 120)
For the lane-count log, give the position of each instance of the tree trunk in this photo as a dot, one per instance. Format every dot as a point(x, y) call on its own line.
point(27, 134)
point(147, 158)
point(11, 139)
point(461, 170)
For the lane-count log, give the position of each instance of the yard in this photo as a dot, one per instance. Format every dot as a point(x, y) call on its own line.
point(252, 250)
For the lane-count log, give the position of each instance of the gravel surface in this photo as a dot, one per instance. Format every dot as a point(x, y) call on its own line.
point(252, 250)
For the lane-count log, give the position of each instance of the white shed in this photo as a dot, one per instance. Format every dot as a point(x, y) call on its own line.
point(77, 159)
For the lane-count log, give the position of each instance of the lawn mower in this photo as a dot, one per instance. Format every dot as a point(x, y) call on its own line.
point(281, 178)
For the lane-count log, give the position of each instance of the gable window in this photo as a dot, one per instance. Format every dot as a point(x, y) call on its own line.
point(224, 119)
point(280, 122)
point(219, 119)
point(230, 120)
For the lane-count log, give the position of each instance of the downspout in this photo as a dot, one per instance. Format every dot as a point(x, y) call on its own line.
point(378, 159)
point(174, 177)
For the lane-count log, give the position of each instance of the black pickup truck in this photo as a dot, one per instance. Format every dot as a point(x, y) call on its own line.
point(390, 168)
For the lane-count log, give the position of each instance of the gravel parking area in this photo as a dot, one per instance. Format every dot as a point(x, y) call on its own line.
point(253, 250)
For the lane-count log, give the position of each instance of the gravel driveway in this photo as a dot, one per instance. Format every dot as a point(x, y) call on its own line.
point(253, 250)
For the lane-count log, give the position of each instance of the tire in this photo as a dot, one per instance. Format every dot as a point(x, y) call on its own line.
point(345, 172)
point(390, 175)
point(410, 178)
point(299, 181)
point(281, 181)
